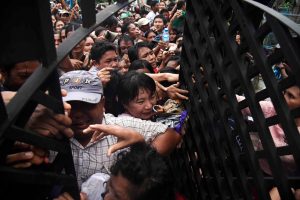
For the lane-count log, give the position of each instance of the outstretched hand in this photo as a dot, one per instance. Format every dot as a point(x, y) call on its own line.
point(176, 93)
point(126, 136)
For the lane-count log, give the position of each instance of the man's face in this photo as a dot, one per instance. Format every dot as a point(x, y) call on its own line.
point(84, 114)
point(155, 8)
point(145, 28)
point(15, 78)
point(158, 24)
point(124, 45)
point(65, 17)
point(108, 59)
point(133, 31)
point(145, 53)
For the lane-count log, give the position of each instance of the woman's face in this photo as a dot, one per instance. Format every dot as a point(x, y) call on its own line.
point(88, 44)
point(172, 36)
point(79, 47)
point(162, 5)
point(141, 106)
point(59, 25)
point(150, 37)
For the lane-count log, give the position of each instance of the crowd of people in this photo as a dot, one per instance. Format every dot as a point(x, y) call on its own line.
point(120, 87)
point(111, 81)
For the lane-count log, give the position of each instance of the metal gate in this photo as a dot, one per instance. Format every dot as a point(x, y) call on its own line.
point(217, 159)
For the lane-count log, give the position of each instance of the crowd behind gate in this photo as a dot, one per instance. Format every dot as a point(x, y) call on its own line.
point(120, 87)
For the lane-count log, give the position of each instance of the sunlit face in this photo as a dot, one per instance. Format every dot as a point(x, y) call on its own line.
point(141, 106)
point(145, 53)
point(15, 78)
point(84, 114)
point(59, 25)
point(108, 59)
point(88, 44)
point(161, 5)
point(158, 24)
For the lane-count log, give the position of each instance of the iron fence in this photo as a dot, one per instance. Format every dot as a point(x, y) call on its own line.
point(219, 158)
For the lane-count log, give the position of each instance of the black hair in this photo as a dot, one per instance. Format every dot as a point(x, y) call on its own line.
point(174, 58)
point(133, 52)
point(152, 3)
point(70, 28)
point(125, 27)
point(140, 64)
point(143, 167)
point(170, 6)
point(109, 22)
point(148, 32)
point(163, 11)
point(110, 92)
point(180, 4)
point(130, 84)
point(161, 17)
point(100, 48)
point(124, 38)
point(99, 30)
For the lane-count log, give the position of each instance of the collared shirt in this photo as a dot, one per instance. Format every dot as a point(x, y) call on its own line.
point(151, 15)
point(93, 158)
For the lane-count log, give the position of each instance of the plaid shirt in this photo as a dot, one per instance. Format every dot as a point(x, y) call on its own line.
point(93, 158)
